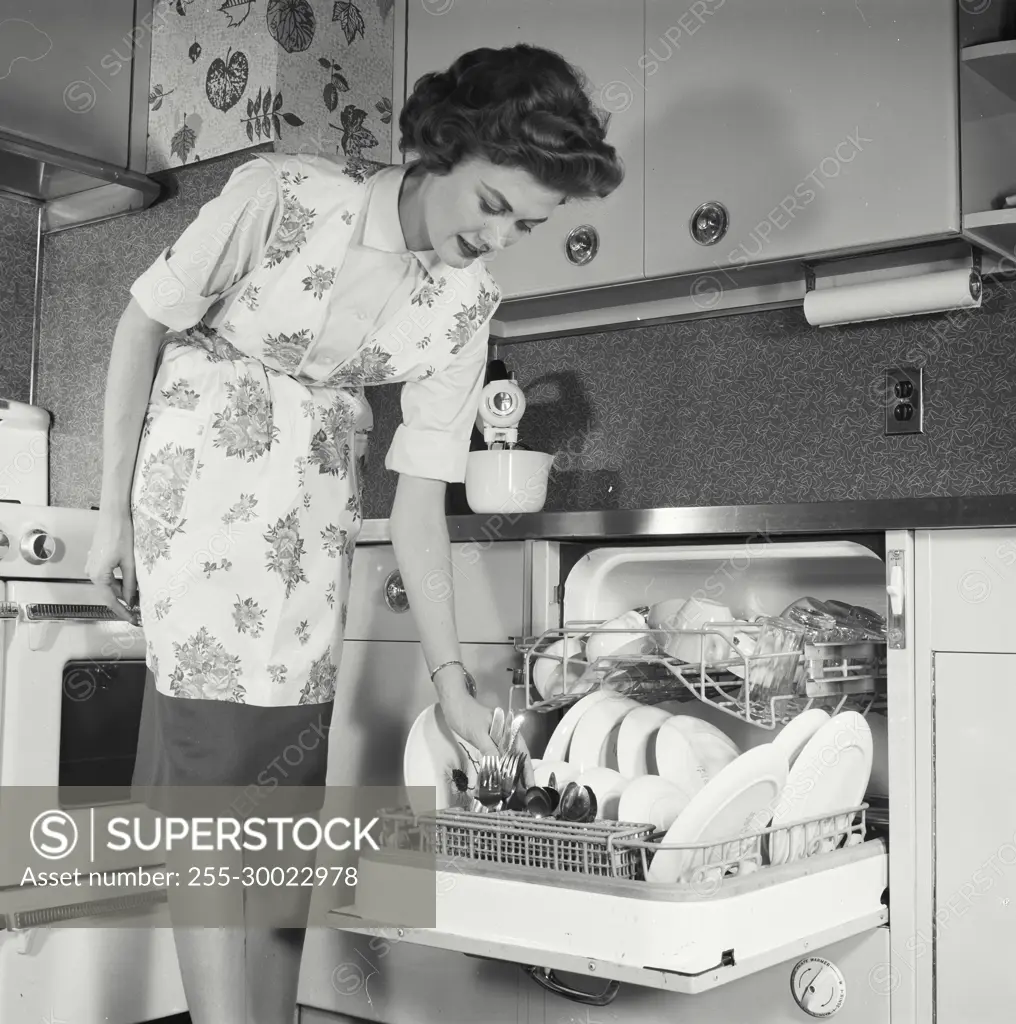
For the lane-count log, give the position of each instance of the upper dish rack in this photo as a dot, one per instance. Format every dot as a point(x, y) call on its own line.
point(763, 689)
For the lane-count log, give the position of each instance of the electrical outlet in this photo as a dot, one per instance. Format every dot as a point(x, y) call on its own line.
point(904, 400)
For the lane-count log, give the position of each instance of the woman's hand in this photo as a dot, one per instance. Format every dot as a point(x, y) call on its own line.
point(466, 716)
point(113, 548)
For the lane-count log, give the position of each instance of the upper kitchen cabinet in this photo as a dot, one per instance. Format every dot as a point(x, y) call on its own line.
point(586, 244)
point(786, 129)
point(74, 107)
point(65, 74)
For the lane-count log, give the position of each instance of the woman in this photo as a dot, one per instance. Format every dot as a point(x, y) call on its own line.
point(233, 514)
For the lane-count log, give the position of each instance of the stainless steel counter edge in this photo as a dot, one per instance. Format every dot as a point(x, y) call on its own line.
point(978, 511)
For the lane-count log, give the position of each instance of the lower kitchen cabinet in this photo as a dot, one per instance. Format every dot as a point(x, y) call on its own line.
point(974, 914)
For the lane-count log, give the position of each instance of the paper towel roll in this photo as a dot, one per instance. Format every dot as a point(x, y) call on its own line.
point(909, 296)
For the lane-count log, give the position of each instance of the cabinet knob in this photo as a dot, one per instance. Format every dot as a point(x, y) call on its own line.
point(709, 223)
point(5, 544)
point(395, 593)
point(582, 245)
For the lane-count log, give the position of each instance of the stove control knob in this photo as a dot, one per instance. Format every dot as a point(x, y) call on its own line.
point(38, 547)
point(5, 544)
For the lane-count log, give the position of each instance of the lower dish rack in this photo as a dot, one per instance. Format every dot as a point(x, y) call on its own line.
point(562, 896)
point(608, 849)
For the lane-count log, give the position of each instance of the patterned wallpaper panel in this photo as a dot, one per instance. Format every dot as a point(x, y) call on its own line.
point(313, 76)
point(18, 238)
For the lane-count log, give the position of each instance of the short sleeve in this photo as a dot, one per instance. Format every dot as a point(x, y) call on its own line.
point(218, 248)
point(438, 415)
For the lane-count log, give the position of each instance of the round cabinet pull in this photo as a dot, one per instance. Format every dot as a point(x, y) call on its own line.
point(582, 245)
point(709, 223)
point(395, 593)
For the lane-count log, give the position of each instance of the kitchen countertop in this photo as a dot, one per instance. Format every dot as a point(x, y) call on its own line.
point(979, 511)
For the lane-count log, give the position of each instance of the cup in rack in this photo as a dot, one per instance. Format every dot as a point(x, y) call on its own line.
point(698, 614)
point(608, 643)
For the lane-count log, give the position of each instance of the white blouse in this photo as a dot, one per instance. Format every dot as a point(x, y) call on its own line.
point(207, 265)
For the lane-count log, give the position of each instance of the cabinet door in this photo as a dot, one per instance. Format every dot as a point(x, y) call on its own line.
point(605, 39)
point(975, 848)
point(68, 87)
point(818, 126)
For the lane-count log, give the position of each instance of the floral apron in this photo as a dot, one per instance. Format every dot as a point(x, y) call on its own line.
point(246, 498)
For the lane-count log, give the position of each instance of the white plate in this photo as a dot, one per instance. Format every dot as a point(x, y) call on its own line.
point(796, 733)
point(433, 753)
point(562, 771)
point(608, 785)
point(830, 774)
point(636, 740)
point(737, 802)
point(713, 752)
point(677, 761)
point(594, 743)
point(690, 725)
point(650, 800)
point(560, 740)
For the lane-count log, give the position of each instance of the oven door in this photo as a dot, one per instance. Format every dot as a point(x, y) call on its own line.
point(71, 694)
point(72, 685)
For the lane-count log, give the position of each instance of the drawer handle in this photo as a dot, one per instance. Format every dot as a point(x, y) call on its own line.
point(582, 245)
point(709, 223)
point(550, 981)
point(395, 593)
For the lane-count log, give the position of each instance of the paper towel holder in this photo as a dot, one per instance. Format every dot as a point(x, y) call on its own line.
point(866, 287)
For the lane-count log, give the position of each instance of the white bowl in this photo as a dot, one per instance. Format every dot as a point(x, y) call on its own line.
point(549, 674)
point(603, 645)
point(507, 480)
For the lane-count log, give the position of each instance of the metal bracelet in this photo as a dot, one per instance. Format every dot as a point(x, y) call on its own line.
point(470, 682)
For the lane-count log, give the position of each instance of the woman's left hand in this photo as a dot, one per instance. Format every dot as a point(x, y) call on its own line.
point(469, 719)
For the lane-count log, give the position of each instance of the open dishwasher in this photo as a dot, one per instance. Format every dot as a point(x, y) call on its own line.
point(776, 922)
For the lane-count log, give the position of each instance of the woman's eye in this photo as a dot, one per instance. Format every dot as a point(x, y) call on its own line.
point(525, 228)
point(487, 208)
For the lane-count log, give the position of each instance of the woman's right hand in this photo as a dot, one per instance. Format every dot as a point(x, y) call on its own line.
point(113, 548)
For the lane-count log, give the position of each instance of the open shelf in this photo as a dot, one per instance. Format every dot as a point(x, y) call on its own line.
point(995, 63)
point(994, 230)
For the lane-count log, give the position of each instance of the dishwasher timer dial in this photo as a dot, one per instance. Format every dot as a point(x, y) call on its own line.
point(818, 987)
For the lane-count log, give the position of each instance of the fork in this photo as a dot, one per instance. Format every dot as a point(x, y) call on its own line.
point(488, 782)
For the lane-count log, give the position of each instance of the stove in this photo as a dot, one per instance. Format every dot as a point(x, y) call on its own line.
point(72, 677)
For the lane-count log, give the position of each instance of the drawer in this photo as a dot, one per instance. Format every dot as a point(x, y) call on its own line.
point(489, 584)
point(969, 588)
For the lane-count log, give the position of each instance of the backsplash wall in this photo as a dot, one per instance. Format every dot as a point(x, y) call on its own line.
point(754, 408)
point(19, 224)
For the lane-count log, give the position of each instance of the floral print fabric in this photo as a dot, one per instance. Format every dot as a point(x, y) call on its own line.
point(246, 499)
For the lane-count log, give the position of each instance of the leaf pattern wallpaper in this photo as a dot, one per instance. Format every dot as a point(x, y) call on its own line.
point(309, 76)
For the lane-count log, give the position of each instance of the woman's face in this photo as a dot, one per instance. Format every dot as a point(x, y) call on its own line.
point(479, 208)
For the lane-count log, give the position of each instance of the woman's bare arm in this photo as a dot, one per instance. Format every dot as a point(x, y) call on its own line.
point(420, 538)
point(132, 361)
point(128, 387)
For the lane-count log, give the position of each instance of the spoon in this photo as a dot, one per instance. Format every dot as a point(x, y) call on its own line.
point(578, 803)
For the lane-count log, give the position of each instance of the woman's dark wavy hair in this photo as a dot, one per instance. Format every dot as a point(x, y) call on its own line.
point(520, 106)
